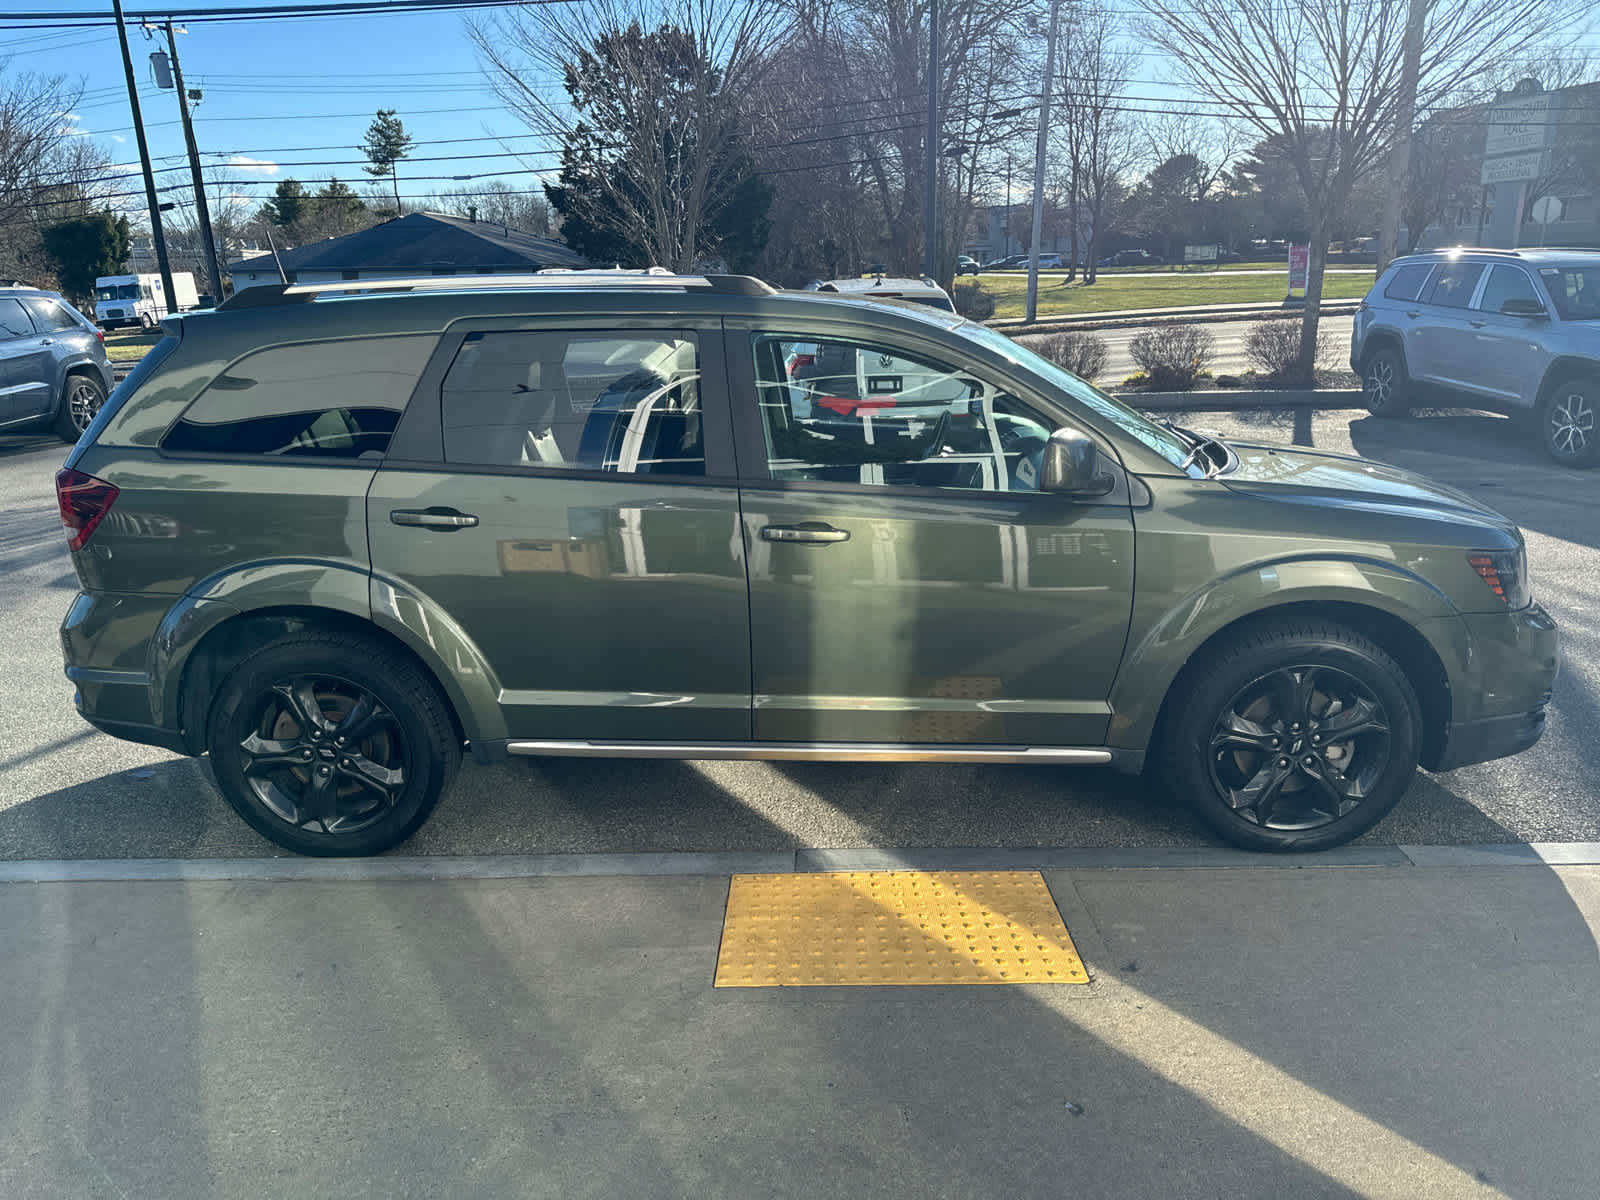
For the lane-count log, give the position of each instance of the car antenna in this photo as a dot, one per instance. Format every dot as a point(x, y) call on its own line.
point(282, 278)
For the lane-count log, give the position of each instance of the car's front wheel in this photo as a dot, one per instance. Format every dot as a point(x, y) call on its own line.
point(1297, 736)
point(329, 744)
point(1569, 422)
point(1384, 386)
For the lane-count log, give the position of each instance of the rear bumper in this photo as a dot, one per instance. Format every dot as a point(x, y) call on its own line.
point(1500, 707)
point(1493, 737)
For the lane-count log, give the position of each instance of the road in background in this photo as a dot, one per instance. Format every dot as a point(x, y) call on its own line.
point(69, 792)
point(1229, 338)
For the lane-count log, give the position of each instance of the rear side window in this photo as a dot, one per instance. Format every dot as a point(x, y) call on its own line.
point(50, 314)
point(1453, 284)
point(588, 401)
point(1407, 282)
point(1507, 283)
point(334, 400)
point(14, 319)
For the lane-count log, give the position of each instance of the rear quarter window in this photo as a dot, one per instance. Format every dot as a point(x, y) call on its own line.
point(329, 400)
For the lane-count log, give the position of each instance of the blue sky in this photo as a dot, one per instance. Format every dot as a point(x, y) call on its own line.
point(282, 92)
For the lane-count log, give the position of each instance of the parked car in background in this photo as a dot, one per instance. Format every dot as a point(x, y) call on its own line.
point(1514, 331)
point(53, 368)
point(966, 265)
point(334, 541)
point(1132, 258)
point(1009, 263)
point(884, 287)
point(141, 299)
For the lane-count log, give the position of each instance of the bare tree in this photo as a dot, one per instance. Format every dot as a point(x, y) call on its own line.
point(643, 121)
point(1097, 140)
point(496, 202)
point(1323, 78)
point(49, 171)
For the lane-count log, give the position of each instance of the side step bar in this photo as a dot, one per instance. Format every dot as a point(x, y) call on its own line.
point(812, 751)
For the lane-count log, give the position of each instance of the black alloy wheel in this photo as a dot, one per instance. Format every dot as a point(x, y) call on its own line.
point(1384, 386)
point(332, 744)
point(1299, 747)
point(79, 406)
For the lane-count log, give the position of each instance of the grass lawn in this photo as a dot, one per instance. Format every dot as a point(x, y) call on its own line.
point(128, 346)
point(1112, 293)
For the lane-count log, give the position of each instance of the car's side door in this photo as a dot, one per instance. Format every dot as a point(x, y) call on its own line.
point(25, 366)
point(1507, 355)
point(564, 494)
point(1440, 349)
point(908, 582)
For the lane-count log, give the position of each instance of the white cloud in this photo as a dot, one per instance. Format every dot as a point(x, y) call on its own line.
point(118, 138)
point(252, 166)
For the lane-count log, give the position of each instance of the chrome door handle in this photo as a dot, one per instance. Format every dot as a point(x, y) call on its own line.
point(809, 533)
point(1413, 314)
point(1479, 324)
point(432, 518)
point(47, 341)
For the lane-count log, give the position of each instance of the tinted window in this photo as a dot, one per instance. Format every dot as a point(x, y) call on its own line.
point(1507, 283)
point(621, 401)
point(321, 400)
point(1576, 291)
point(14, 319)
point(847, 412)
point(50, 314)
point(1407, 282)
point(1453, 284)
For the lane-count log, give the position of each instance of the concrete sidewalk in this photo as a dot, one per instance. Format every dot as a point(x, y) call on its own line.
point(1396, 1030)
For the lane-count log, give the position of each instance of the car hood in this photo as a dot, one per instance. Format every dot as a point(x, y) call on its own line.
point(1290, 473)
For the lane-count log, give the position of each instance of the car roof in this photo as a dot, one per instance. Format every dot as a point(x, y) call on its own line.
point(1531, 254)
point(882, 284)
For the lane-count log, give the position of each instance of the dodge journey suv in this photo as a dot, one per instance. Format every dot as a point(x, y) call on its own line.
point(334, 540)
point(1516, 331)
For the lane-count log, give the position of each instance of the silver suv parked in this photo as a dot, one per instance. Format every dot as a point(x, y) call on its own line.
point(53, 367)
point(1516, 331)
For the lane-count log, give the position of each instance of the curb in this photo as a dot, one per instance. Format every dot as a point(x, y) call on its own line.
point(786, 862)
point(1240, 399)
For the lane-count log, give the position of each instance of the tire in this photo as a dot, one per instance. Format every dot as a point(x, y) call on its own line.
point(268, 763)
point(146, 321)
point(1569, 422)
point(1384, 385)
point(1290, 682)
point(81, 399)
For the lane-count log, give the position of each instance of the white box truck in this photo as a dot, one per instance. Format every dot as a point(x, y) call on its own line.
point(140, 299)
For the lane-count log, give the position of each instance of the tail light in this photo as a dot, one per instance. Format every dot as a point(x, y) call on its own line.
point(101, 334)
point(84, 502)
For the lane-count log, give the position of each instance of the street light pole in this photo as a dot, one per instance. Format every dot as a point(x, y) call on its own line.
point(201, 207)
point(1038, 164)
point(930, 196)
point(156, 236)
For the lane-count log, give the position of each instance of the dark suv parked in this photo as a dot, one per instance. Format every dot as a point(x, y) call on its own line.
point(53, 367)
point(332, 539)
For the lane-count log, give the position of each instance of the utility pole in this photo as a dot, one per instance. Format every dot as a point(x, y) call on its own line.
point(930, 197)
point(1038, 163)
point(1405, 114)
point(156, 236)
point(1005, 221)
point(201, 207)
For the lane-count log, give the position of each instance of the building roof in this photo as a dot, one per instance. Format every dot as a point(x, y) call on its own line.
point(422, 242)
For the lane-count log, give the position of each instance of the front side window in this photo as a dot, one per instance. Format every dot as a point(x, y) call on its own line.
point(1506, 283)
point(1453, 284)
point(1575, 290)
point(619, 401)
point(1407, 282)
point(328, 400)
point(850, 412)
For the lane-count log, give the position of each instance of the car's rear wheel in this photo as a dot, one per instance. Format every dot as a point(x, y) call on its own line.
point(329, 744)
point(1384, 385)
point(82, 400)
point(1294, 737)
point(1570, 422)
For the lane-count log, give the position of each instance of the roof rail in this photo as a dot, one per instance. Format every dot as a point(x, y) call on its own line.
point(300, 293)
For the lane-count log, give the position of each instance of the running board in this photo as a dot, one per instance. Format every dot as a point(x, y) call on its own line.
point(813, 752)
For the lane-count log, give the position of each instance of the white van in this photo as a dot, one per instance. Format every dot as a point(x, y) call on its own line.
point(140, 299)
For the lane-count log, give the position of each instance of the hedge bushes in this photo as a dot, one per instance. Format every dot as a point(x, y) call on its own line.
point(1172, 357)
point(1083, 354)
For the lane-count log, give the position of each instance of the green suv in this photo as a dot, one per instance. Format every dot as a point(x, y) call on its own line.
point(333, 540)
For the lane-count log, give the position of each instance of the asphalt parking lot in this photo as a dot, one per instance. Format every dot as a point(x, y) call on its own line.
point(69, 792)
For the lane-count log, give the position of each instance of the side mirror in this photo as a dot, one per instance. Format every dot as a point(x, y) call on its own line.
point(1522, 306)
point(1071, 466)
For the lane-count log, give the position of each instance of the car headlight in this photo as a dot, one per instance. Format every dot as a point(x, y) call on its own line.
point(1506, 573)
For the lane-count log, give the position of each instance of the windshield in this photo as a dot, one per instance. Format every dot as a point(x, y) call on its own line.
point(1575, 290)
point(1157, 437)
point(123, 291)
point(938, 302)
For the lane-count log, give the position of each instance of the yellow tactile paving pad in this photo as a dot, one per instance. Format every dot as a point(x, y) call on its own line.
point(894, 928)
